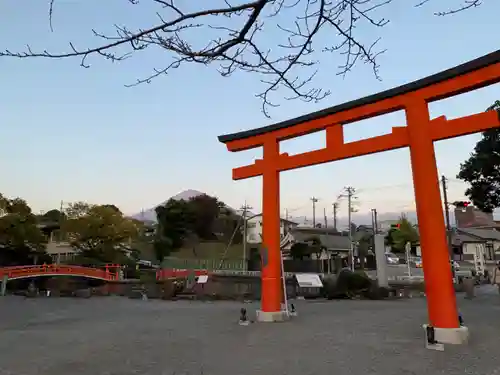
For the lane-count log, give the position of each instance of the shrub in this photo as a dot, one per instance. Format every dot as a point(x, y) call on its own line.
point(352, 283)
point(349, 284)
point(376, 292)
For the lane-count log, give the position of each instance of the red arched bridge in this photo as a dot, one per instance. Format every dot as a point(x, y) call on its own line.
point(108, 273)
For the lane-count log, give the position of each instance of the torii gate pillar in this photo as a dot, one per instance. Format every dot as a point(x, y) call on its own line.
point(440, 292)
point(272, 285)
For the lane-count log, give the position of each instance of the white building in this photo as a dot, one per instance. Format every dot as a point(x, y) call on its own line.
point(254, 228)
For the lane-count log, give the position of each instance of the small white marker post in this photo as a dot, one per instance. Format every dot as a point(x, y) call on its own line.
point(285, 297)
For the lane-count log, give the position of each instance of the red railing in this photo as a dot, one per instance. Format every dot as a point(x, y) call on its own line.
point(175, 273)
point(19, 272)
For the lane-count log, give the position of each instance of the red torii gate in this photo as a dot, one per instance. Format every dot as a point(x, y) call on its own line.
point(419, 134)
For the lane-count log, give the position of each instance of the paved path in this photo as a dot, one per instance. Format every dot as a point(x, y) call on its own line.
point(118, 336)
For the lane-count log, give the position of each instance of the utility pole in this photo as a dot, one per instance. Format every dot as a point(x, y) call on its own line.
point(245, 209)
point(374, 221)
point(285, 224)
point(314, 200)
point(374, 227)
point(446, 211)
point(350, 195)
point(326, 236)
point(61, 217)
point(335, 208)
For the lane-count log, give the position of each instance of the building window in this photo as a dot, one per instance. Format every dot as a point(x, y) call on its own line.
point(489, 252)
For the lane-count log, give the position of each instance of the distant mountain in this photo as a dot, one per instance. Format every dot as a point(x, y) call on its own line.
point(150, 214)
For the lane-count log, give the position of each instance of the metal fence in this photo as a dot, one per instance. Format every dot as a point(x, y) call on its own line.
point(203, 264)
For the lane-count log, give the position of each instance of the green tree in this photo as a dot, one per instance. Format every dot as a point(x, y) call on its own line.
point(113, 207)
point(482, 170)
point(315, 246)
point(52, 216)
point(304, 249)
point(389, 238)
point(185, 222)
point(77, 209)
point(406, 233)
point(206, 211)
point(234, 36)
point(299, 251)
point(176, 221)
point(364, 244)
point(21, 240)
point(101, 234)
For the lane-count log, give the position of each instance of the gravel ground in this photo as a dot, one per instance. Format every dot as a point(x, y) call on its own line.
point(98, 336)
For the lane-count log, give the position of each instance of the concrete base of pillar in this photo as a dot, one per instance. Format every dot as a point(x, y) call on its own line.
point(271, 316)
point(454, 336)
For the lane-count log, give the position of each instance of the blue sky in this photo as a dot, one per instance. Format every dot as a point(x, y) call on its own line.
point(70, 133)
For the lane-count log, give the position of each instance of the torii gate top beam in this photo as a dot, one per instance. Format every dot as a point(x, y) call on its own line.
point(472, 75)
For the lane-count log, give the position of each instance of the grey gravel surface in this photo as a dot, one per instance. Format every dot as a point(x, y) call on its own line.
point(118, 336)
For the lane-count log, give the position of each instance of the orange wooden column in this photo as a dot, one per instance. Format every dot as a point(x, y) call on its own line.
point(441, 300)
point(271, 260)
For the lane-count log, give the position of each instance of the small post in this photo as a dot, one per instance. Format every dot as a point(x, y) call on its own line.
point(469, 287)
point(285, 297)
point(431, 342)
point(408, 250)
point(243, 317)
point(382, 279)
point(3, 287)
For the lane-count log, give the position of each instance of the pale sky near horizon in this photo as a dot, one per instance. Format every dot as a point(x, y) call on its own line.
point(70, 133)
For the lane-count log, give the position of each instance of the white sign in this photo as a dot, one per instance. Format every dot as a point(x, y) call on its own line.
point(202, 279)
point(308, 280)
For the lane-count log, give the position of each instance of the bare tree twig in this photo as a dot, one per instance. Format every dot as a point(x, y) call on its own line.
point(467, 4)
point(236, 35)
point(51, 13)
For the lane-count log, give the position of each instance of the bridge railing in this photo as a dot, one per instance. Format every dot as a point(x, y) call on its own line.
point(57, 269)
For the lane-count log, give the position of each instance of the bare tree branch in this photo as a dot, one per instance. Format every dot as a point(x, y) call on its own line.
point(237, 34)
point(467, 4)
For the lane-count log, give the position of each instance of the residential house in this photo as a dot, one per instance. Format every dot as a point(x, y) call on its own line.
point(254, 228)
point(488, 238)
point(334, 242)
point(61, 252)
point(472, 217)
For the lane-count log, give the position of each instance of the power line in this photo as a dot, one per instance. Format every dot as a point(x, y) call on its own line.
point(298, 208)
point(384, 187)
